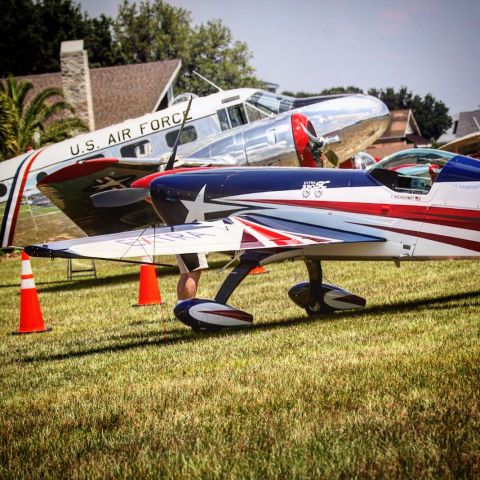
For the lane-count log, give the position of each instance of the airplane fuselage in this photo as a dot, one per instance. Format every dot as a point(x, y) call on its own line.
point(441, 222)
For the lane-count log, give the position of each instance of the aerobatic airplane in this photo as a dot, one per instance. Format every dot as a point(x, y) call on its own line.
point(414, 205)
point(235, 127)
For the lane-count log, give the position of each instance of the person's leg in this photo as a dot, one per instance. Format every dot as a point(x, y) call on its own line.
point(187, 285)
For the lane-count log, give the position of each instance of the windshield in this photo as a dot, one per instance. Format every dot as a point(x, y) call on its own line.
point(270, 103)
point(411, 171)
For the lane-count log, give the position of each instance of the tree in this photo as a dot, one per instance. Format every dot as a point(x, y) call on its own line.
point(31, 33)
point(431, 114)
point(156, 30)
point(217, 56)
point(326, 91)
point(101, 47)
point(152, 31)
point(35, 124)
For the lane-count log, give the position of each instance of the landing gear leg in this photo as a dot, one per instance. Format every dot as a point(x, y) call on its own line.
point(213, 315)
point(316, 305)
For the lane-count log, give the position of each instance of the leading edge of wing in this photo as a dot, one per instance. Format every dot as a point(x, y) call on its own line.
point(230, 234)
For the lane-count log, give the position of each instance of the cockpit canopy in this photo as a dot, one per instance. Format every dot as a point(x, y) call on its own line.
point(411, 171)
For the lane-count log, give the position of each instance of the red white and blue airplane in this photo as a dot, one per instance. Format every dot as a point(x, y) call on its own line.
point(311, 214)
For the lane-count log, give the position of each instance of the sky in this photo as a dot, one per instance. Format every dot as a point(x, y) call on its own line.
point(429, 46)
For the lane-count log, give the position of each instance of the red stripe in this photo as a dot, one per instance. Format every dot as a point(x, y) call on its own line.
point(272, 235)
point(458, 242)
point(447, 216)
point(26, 277)
point(19, 196)
point(236, 314)
point(352, 299)
point(144, 182)
point(77, 170)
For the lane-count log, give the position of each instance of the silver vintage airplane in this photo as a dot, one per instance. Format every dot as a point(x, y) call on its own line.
point(241, 127)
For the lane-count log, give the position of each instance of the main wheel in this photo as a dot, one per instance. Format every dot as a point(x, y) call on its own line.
point(212, 329)
point(318, 309)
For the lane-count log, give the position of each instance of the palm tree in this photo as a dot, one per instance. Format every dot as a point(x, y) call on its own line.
point(39, 123)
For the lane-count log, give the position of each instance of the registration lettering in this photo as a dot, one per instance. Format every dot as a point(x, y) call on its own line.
point(169, 237)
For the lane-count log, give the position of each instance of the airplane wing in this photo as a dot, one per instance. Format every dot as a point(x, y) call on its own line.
point(243, 232)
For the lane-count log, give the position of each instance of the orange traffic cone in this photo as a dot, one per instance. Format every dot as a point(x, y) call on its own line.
point(31, 319)
point(257, 270)
point(148, 292)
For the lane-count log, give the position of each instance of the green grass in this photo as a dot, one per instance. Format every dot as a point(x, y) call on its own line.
point(392, 391)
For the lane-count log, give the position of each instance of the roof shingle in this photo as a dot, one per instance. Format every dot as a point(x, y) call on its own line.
point(121, 92)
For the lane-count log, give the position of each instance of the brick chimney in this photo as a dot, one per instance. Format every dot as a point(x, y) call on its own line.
point(76, 80)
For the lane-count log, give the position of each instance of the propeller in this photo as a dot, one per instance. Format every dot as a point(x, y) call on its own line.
point(171, 160)
point(320, 142)
point(119, 198)
point(127, 196)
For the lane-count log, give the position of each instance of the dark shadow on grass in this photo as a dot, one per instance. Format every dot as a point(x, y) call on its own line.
point(78, 284)
point(100, 282)
point(180, 335)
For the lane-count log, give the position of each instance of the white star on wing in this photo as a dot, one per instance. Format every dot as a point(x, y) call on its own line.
point(198, 208)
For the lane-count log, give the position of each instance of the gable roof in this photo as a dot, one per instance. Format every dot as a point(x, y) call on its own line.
point(402, 123)
point(463, 123)
point(129, 91)
point(121, 92)
point(468, 122)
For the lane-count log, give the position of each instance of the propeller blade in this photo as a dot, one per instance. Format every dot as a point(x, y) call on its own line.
point(171, 160)
point(119, 198)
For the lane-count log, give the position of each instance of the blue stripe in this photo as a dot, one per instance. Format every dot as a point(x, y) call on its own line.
point(460, 169)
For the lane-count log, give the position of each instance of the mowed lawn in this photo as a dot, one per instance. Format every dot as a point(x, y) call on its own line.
point(114, 391)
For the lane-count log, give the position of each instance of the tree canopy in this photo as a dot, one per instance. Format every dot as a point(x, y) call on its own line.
point(431, 114)
point(42, 120)
point(31, 32)
point(155, 30)
point(145, 31)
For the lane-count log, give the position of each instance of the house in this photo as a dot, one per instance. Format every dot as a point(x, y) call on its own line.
point(402, 133)
point(109, 95)
point(464, 135)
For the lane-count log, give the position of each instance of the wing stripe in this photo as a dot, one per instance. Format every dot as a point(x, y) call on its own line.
point(15, 198)
point(467, 219)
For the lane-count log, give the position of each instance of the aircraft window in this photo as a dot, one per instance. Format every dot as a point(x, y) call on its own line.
point(267, 102)
point(223, 119)
point(3, 190)
point(254, 113)
point(188, 135)
point(93, 157)
point(412, 171)
point(237, 115)
point(39, 177)
point(137, 149)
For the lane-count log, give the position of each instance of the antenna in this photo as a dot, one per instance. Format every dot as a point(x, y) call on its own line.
point(208, 81)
